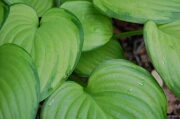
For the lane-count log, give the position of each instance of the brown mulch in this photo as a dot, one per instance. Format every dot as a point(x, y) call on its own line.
point(135, 51)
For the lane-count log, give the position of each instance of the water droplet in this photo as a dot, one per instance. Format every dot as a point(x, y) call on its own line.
point(141, 84)
point(130, 89)
point(52, 101)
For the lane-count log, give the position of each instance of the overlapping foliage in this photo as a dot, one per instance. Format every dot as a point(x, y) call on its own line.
point(43, 42)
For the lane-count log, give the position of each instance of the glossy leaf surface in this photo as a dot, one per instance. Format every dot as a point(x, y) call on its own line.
point(90, 60)
point(19, 84)
point(55, 43)
point(162, 43)
point(140, 11)
point(39, 5)
point(97, 27)
point(116, 89)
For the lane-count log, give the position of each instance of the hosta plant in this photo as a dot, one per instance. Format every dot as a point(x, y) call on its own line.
point(42, 43)
point(116, 89)
point(54, 53)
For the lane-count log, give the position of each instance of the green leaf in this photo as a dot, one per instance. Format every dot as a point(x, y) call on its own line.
point(90, 60)
point(4, 11)
point(97, 28)
point(1, 15)
point(19, 84)
point(55, 43)
point(162, 43)
point(2, 3)
point(140, 11)
point(116, 89)
point(40, 6)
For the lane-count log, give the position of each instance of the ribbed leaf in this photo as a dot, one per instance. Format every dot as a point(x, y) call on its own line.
point(162, 44)
point(97, 27)
point(19, 84)
point(117, 89)
point(139, 11)
point(55, 43)
point(39, 5)
point(90, 60)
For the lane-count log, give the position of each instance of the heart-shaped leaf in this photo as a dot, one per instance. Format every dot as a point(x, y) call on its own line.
point(90, 60)
point(163, 46)
point(55, 43)
point(19, 84)
point(117, 89)
point(140, 11)
point(39, 5)
point(97, 28)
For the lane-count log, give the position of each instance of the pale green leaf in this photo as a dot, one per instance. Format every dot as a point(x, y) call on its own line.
point(19, 84)
point(55, 43)
point(162, 43)
point(117, 89)
point(140, 11)
point(97, 27)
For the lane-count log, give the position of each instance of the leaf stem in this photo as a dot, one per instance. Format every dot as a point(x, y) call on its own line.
point(129, 33)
